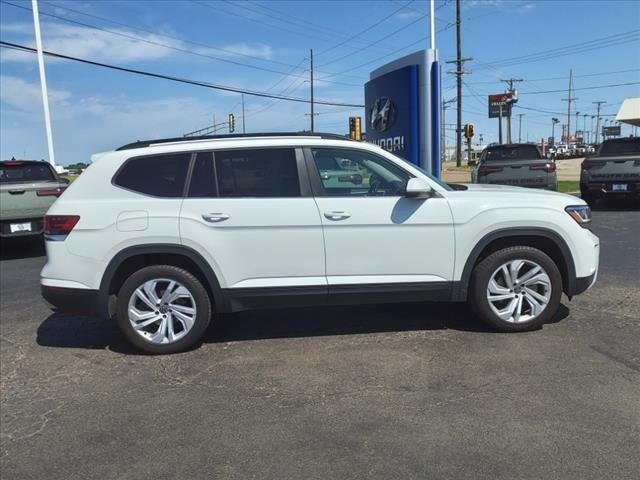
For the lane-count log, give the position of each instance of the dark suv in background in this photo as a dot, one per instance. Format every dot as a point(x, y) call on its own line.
point(613, 171)
point(518, 164)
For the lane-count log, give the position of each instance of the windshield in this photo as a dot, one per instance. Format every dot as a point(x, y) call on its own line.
point(25, 172)
point(508, 153)
point(626, 146)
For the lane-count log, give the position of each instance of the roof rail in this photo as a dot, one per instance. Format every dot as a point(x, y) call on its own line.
point(147, 143)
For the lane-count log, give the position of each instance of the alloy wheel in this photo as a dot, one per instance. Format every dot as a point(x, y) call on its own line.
point(162, 311)
point(519, 291)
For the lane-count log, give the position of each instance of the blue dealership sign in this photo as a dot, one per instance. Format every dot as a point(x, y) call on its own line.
point(392, 112)
point(402, 102)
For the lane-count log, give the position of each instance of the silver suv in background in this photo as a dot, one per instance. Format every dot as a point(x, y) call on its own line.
point(27, 189)
point(519, 164)
point(614, 170)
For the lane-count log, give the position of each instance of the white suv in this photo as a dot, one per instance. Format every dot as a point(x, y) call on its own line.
point(167, 233)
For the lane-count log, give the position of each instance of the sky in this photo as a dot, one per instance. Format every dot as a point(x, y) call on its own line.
point(265, 46)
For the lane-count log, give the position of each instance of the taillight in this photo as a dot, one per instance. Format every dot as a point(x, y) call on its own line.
point(485, 170)
point(547, 167)
point(57, 227)
point(591, 164)
point(56, 192)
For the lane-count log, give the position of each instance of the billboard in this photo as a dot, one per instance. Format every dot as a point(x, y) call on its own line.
point(402, 109)
point(391, 102)
point(496, 101)
point(611, 131)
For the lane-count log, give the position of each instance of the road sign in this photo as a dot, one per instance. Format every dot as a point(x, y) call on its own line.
point(611, 131)
point(503, 100)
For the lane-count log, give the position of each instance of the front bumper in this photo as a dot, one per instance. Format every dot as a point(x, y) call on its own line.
point(583, 284)
point(74, 301)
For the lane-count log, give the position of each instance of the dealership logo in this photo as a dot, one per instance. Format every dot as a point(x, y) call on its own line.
point(383, 114)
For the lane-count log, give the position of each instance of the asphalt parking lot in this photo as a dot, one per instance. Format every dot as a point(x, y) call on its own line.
point(413, 391)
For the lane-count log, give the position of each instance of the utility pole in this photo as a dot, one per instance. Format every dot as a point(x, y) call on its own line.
point(500, 126)
point(459, 61)
point(576, 135)
point(312, 113)
point(243, 125)
point(584, 127)
point(511, 91)
point(43, 82)
point(553, 128)
point(445, 105)
point(569, 100)
point(597, 132)
point(520, 115)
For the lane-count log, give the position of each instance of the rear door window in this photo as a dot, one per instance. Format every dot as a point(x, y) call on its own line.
point(157, 175)
point(257, 173)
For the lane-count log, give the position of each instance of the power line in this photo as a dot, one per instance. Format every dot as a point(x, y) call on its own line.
point(177, 79)
point(493, 82)
point(164, 45)
point(382, 20)
point(277, 14)
point(404, 27)
point(572, 49)
point(134, 27)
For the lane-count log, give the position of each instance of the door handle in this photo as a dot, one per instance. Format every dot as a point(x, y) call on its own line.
point(337, 215)
point(15, 191)
point(215, 217)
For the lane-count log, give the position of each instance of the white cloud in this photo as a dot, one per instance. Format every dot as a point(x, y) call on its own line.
point(409, 14)
point(239, 49)
point(122, 48)
point(25, 96)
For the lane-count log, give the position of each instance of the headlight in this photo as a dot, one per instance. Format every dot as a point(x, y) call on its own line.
point(581, 214)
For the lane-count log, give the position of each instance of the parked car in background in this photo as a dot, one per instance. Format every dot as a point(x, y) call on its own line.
point(562, 151)
point(519, 164)
point(27, 190)
point(167, 233)
point(613, 171)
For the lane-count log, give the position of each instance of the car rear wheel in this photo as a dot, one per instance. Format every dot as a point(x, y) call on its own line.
point(516, 289)
point(163, 309)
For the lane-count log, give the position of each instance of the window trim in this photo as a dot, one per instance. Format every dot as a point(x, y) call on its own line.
point(316, 182)
point(130, 159)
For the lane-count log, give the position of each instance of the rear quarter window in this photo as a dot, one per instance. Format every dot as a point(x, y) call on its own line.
point(157, 175)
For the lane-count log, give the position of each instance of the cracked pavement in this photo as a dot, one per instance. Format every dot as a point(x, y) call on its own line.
point(390, 391)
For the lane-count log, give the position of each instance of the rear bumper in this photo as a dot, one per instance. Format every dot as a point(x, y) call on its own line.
point(75, 301)
point(37, 227)
point(606, 189)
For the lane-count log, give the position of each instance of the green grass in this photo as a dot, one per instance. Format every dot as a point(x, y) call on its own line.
point(568, 186)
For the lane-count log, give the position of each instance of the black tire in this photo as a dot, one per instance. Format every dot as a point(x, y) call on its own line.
point(195, 288)
point(482, 274)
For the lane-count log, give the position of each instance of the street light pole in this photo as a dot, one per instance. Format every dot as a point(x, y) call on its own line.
point(43, 82)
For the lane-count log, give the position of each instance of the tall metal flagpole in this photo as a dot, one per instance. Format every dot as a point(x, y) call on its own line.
point(43, 81)
point(432, 21)
point(436, 98)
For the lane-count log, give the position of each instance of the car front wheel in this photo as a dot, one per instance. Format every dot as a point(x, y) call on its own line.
point(163, 309)
point(516, 289)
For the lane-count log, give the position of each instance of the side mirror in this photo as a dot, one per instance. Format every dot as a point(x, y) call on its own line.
point(65, 180)
point(418, 188)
